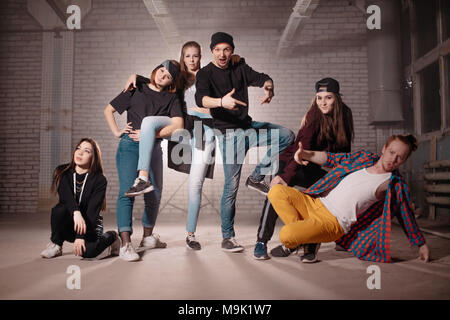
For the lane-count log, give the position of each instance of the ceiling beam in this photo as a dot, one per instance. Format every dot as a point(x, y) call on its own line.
point(302, 10)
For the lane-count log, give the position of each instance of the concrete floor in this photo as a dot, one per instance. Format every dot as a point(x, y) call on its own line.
point(179, 273)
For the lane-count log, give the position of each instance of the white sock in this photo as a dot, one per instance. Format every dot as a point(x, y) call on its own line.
point(143, 178)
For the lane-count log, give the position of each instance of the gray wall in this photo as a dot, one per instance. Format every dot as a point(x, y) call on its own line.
point(118, 38)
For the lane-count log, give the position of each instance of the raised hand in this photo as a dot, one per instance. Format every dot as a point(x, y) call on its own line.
point(268, 88)
point(131, 83)
point(298, 155)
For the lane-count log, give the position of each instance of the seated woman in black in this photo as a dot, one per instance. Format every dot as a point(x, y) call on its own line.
point(81, 187)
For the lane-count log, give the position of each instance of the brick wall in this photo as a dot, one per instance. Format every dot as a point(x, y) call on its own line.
point(119, 39)
point(20, 94)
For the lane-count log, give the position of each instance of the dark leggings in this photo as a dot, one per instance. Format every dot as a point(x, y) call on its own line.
point(62, 226)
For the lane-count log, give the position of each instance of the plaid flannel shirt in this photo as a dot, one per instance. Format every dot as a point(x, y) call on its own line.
point(369, 236)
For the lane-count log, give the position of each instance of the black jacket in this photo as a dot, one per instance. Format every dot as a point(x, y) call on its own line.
point(91, 200)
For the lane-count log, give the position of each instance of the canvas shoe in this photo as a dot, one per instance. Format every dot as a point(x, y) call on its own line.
point(128, 253)
point(310, 255)
point(281, 251)
point(53, 250)
point(152, 242)
point(230, 245)
point(192, 243)
point(139, 187)
point(260, 186)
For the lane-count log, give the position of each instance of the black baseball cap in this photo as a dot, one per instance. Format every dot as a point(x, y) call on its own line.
point(173, 69)
point(330, 84)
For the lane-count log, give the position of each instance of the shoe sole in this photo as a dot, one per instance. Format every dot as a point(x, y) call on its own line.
point(149, 247)
point(261, 257)
point(134, 194)
point(233, 250)
point(57, 255)
point(195, 249)
point(257, 190)
point(312, 260)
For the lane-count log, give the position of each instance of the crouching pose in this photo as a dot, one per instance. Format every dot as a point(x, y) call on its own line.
point(352, 205)
point(81, 188)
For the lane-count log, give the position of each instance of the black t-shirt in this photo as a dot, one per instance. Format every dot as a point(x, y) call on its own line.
point(143, 102)
point(215, 82)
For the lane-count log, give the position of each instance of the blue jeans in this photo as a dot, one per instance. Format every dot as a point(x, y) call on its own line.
point(199, 167)
point(149, 127)
point(127, 157)
point(234, 146)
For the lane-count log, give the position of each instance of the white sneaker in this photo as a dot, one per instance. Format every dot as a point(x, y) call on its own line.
point(128, 253)
point(53, 250)
point(152, 242)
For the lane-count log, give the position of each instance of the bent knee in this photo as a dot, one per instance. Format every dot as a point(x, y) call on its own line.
point(287, 237)
point(277, 192)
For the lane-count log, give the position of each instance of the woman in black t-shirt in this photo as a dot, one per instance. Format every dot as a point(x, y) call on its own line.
point(76, 218)
point(157, 99)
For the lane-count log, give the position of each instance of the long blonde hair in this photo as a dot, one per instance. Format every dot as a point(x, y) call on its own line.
point(185, 76)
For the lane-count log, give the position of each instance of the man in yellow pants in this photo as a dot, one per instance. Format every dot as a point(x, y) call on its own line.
point(347, 204)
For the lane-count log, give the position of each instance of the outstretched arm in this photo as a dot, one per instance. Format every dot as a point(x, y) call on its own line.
point(301, 156)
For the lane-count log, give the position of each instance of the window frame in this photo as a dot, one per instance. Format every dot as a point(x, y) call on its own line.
point(412, 71)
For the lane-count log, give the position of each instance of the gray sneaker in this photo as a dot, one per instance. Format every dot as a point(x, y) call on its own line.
point(53, 250)
point(152, 242)
point(311, 251)
point(230, 245)
point(260, 186)
point(281, 251)
point(139, 187)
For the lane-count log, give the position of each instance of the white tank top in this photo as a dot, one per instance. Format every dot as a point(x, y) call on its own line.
point(353, 195)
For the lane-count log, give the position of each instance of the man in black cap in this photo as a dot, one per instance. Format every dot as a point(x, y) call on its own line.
point(223, 88)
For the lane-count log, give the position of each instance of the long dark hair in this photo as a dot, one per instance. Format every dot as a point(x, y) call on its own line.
point(336, 127)
point(95, 167)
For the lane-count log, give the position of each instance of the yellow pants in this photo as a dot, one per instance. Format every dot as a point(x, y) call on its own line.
point(306, 219)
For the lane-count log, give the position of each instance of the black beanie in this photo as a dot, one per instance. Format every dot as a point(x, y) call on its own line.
point(221, 37)
point(173, 69)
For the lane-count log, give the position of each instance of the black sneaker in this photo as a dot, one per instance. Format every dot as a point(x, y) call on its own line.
point(310, 255)
point(193, 244)
point(260, 186)
point(230, 245)
point(139, 187)
point(281, 251)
